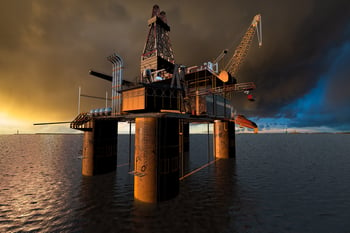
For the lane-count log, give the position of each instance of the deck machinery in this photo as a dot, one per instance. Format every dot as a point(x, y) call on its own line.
point(162, 102)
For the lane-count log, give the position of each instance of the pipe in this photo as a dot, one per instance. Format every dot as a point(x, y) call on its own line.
point(117, 80)
point(79, 100)
point(100, 75)
point(106, 99)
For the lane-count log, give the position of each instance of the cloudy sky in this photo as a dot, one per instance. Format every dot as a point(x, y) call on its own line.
point(301, 72)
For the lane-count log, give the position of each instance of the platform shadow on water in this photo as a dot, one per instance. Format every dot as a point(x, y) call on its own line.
point(206, 203)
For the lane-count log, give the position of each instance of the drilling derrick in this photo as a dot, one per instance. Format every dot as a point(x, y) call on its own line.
point(157, 59)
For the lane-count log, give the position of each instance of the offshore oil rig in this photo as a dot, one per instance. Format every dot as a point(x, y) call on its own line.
point(165, 99)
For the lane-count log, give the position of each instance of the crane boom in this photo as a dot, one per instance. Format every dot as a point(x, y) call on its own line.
point(221, 56)
point(241, 51)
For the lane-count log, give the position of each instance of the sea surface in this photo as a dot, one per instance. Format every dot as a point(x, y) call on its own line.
point(277, 183)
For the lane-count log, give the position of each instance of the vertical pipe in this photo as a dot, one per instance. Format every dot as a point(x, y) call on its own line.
point(129, 146)
point(114, 107)
point(79, 100)
point(116, 70)
point(181, 146)
point(117, 74)
point(106, 99)
point(114, 89)
point(197, 103)
point(224, 102)
point(208, 142)
point(119, 84)
point(186, 146)
point(113, 85)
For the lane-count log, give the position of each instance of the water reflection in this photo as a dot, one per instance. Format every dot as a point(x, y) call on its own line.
point(96, 202)
point(36, 186)
point(204, 204)
point(274, 190)
point(144, 217)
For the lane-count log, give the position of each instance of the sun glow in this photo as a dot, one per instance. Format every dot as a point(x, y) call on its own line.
point(13, 125)
point(9, 124)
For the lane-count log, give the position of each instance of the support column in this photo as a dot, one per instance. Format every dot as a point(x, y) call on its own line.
point(100, 148)
point(224, 139)
point(197, 103)
point(184, 147)
point(156, 159)
point(168, 154)
point(87, 166)
point(145, 159)
point(232, 139)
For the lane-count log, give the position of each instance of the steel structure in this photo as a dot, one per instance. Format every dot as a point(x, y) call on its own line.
point(158, 41)
point(167, 99)
point(157, 53)
point(232, 67)
point(117, 80)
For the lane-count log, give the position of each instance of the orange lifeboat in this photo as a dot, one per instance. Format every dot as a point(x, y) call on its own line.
point(242, 121)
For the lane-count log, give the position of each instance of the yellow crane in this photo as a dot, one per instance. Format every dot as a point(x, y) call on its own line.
point(241, 51)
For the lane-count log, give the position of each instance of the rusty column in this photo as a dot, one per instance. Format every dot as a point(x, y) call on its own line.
point(145, 159)
point(100, 148)
point(156, 159)
point(87, 166)
point(224, 139)
point(198, 104)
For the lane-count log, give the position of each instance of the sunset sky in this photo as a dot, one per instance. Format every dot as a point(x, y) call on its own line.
point(302, 71)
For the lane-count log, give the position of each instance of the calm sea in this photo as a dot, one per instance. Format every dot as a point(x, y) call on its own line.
point(277, 183)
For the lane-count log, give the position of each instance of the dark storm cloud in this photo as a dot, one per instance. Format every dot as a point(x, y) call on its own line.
point(296, 52)
point(55, 43)
point(47, 48)
point(338, 94)
point(301, 40)
point(12, 17)
point(328, 103)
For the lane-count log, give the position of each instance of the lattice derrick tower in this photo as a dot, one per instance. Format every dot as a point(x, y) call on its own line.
point(157, 53)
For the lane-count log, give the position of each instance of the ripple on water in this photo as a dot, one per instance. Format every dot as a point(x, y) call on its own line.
point(278, 183)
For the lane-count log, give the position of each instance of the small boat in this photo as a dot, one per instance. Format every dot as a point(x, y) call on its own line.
point(242, 121)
